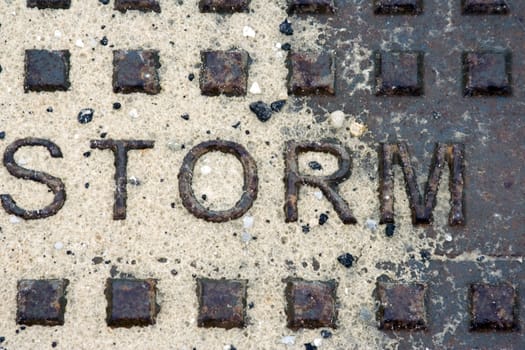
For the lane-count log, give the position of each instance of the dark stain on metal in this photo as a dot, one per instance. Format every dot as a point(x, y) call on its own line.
point(249, 188)
point(422, 207)
point(493, 307)
point(401, 306)
point(120, 150)
point(224, 6)
point(399, 73)
point(222, 303)
point(49, 4)
point(310, 73)
point(311, 6)
point(327, 184)
point(53, 183)
point(46, 70)
point(224, 72)
point(398, 7)
point(487, 73)
point(311, 304)
point(41, 302)
point(141, 5)
point(136, 71)
point(485, 7)
point(131, 302)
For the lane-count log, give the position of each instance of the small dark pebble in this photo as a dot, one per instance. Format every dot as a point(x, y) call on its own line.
point(97, 260)
point(286, 27)
point(85, 116)
point(49, 109)
point(306, 228)
point(174, 272)
point(326, 334)
point(232, 347)
point(185, 116)
point(389, 230)
point(117, 105)
point(261, 110)
point(251, 305)
point(162, 260)
point(323, 218)
point(480, 258)
point(54, 344)
point(87, 154)
point(236, 125)
point(2, 135)
point(204, 197)
point(309, 346)
point(103, 135)
point(425, 255)
point(315, 165)
point(346, 260)
point(69, 252)
point(2, 339)
point(86, 185)
point(104, 41)
point(191, 76)
point(277, 106)
point(104, 2)
point(286, 47)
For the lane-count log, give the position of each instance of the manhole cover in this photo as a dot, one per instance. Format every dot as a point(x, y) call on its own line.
point(295, 174)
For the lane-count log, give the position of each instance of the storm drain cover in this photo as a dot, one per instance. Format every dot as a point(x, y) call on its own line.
point(235, 174)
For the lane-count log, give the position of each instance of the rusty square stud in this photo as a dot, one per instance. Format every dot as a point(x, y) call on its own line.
point(311, 73)
point(224, 72)
point(222, 303)
point(399, 73)
point(41, 302)
point(311, 6)
point(224, 6)
point(136, 71)
point(398, 7)
point(141, 5)
point(485, 7)
point(493, 307)
point(131, 302)
point(487, 73)
point(49, 4)
point(401, 306)
point(46, 70)
point(311, 304)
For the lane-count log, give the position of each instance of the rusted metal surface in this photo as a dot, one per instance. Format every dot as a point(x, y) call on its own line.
point(399, 73)
point(131, 302)
point(401, 306)
point(224, 72)
point(487, 73)
point(41, 302)
point(493, 307)
point(224, 6)
point(249, 188)
point(141, 5)
point(310, 73)
point(222, 303)
point(46, 70)
point(398, 7)
point(136, 71)
point(485, 7)
point(311, 304)
point(49, 4)
point(311, 6)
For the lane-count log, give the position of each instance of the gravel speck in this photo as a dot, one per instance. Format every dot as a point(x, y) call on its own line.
point(389, 229)
point(277, 106)
point(323, 218)
point(286, 27)
point(261, 110)
point(85, 115)
point(315, 165)
point(347, 260)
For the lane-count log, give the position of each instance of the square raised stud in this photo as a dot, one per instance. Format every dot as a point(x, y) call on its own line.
point(493, 307)
point(311, 73)
point(41, 302)
point(131, 302)
point(136, 71)
point(401, 306)
point(487, 73)
point(311, 6)
point(141, 5)
point(49, 4)
point(224, 72)
point(485, 7)
point(46, 70)
point(224, 6)
point(399, 73)
point(222, 303)
point(311, 304)
point(398, 7)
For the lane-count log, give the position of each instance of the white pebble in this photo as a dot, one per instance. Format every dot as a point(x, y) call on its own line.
point(58, 34)
point(205, 170)
point(133, 113)
point(318, 195)
point(278, 46)
point(371, 224)
point(79, 43)
point(255, 89)
point(288, 340)
point(248, 32)
point(59, 245)
point(14, 219)
point(448, 237)
point(247, 221)
point(246, 237)
point(357, 129)
point(337, 118)
point(318, 341)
